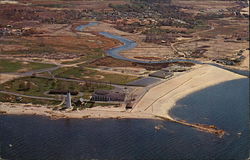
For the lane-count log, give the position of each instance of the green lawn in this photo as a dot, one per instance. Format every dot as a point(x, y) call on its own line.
point(38, 86)
point(93, 75)
point(7, 65)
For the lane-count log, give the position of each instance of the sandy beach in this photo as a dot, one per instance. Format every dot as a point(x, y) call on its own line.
point(96, 112)
point(162, 98)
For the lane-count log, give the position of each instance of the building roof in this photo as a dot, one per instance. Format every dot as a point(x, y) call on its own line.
point(161, 74)
point(108, 95)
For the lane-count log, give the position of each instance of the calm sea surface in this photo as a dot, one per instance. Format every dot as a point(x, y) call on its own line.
point(225, 105)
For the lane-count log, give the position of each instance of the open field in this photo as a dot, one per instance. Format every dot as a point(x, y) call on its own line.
point(212, 48)
point(204, 7)
point(59, 48)
point(93, 75)
point(25, 100)
point(76, 4)
point(8, 65)
point(7, 77)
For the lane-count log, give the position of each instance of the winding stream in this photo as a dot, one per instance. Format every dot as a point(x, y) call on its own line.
point(130, 44)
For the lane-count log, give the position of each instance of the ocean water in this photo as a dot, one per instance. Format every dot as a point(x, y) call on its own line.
point(225, 105)
point(39, 138)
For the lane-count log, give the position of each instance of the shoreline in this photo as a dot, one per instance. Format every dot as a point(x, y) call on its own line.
point(8, 108)
point(155, 104)
point(161, 99)
point(28, 110)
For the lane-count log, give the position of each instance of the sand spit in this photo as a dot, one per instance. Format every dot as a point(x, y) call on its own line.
point(202, 127)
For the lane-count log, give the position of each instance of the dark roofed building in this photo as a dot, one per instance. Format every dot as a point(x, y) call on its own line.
point(104, 95)
point(161, 74)
point(175, 69)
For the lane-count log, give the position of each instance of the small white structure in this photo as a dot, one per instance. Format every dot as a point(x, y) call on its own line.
point(68, 100)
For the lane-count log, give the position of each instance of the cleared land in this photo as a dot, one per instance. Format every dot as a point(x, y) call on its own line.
point(8, 65)
point(93, 75)
point(6, 77)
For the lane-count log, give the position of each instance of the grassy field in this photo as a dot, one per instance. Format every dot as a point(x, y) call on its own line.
point(92, 54)
point(38, 86)
point(18, 66)
point(16, 99)
point(93, 75)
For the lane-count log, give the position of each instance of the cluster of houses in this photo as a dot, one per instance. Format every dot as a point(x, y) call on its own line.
point(238, 57)
point(9, 30)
